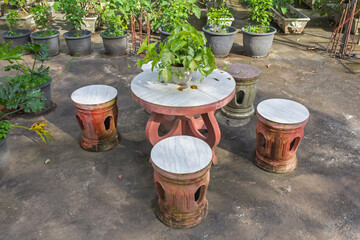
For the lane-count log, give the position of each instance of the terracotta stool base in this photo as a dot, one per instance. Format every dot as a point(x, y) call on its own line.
point(270, 165)
point(99, 145)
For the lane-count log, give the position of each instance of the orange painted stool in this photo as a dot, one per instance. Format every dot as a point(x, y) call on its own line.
point(279, 130)
point(181, 175)
point(96, 112)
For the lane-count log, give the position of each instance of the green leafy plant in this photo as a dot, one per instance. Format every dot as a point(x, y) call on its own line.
point(42, 20)
point(215, 3)
point(260, 14)
point(217, 18)
point(91, 7)
point(185, 47)
point(115, 17)
point(11, 18)
point(13, 98)
point(170, 11)
point(20, 4)
point(30, 76)
point(73, 14)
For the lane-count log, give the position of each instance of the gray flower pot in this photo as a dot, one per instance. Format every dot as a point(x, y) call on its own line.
point(257, 44)
point(164, 35)
point(18, 40)
point(78, 46)
point(46, 90)
point(115, 46)
point(54, 42)
point(220, 43)
point(4, 158)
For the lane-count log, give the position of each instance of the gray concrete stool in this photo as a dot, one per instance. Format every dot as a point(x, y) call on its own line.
point(242, 105)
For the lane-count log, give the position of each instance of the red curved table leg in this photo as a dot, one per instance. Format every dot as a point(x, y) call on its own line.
point(214, 133)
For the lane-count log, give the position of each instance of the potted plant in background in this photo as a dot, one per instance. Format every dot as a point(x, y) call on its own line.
point(115, 19)
point(257, 39)
point(92, 10)
point(33, 77)
point(219, 35)
point(12, 100)
point(16, 36)
point(78, 40)
point(24, 20)
point(171, 11)
point(177, 59)
point(287, 17)
point(47, 35)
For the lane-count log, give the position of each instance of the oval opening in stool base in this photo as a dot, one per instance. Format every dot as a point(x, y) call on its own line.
point(294, 144)
point(199, 194)
point(107, 123)
point(240, 97)
point(262, 140)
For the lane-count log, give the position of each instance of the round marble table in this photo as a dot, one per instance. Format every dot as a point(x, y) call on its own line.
point(175, 107)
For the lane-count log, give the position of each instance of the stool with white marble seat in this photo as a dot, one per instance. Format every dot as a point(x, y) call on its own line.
point(96, 112)
point(181, 175)
point(279, 130)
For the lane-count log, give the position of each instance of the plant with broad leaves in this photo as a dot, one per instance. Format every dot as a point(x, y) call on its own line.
point(260, 14)
point(73, 14)
point(42, 20)
point(115, 17)
point(217, 19)
point(186, 47)
point(12, 19)
point(170, 11)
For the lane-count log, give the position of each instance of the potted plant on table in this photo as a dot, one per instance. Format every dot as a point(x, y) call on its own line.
point(14, 35)
point(257, 39)
point(47, 35)
point(173, 11)
point(31, 76)
point(177, 59)
point(287, 17)
point(115, 19)
point(219, 35)
point(78, 40)
point(12, 100)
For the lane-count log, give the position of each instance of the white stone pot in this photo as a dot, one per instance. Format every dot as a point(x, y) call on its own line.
point(185, 80)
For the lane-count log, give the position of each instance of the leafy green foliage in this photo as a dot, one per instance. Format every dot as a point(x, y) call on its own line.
point(257, 29)
point(74, 13)
point(42, 19)
point(280, 5)
point(260, 14)
point(10, 54)
point(115, 17)
point(168, 12)
point(11, 18)
point(185, 47)
point(217, 18)
point(5, 126)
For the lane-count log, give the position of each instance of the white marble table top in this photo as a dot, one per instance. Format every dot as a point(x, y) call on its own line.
point(283, 111)
point(147, 67)
point(215, 87)
point(94, 94)
point(181, 154)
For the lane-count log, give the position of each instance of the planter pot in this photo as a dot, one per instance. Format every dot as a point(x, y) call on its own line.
point(220, 43)
point(46, 90)
point(290, 25)
point(26, 22)
point(185, 80)
point(54, 42)
point(18, 40)
point(4, 157)
point(78, 46)
point(227, 21)
point(90, 23)
point(115, 46)
point(164, 35)
point(257, 44)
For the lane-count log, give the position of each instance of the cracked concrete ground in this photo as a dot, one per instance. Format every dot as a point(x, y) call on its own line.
point(78, 195)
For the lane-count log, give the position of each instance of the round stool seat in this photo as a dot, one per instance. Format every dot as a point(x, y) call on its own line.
point(181, 154)
point(283, 111)
point(243, 72)
point(94, 94)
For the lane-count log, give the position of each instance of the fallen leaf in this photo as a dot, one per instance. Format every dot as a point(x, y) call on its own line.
point(313, 48)
point(226, 67)
point(313, 71)
point(193, 87)
point(221, 72)
point(129, 66)
point(47, 161)
point(228, 78)
point(180, 88)
point(162, 81)
point(268, 66)
point(298, 39)
point(251, 62)
point(120, 177)
point(216, 79)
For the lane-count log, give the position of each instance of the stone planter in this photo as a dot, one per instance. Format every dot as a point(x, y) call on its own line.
point(18, 40)
point(4, 157)
point(309, 3)
point(164, 35)
point(257, 44)
point(90, 23)
point(227, 21)
point(221, 43)
point(183, 81)
point(46, 90)
point(115, 46)
point(54, 42)
point(78, 46)
point(26, 22)
point(290, 25)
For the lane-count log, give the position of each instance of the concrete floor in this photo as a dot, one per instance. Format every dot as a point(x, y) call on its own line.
point(79, 195)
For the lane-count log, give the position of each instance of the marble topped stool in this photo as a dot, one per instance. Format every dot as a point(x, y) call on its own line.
point(279, 130)
point(242, 105)
point(181, 175)
point(96, 112)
